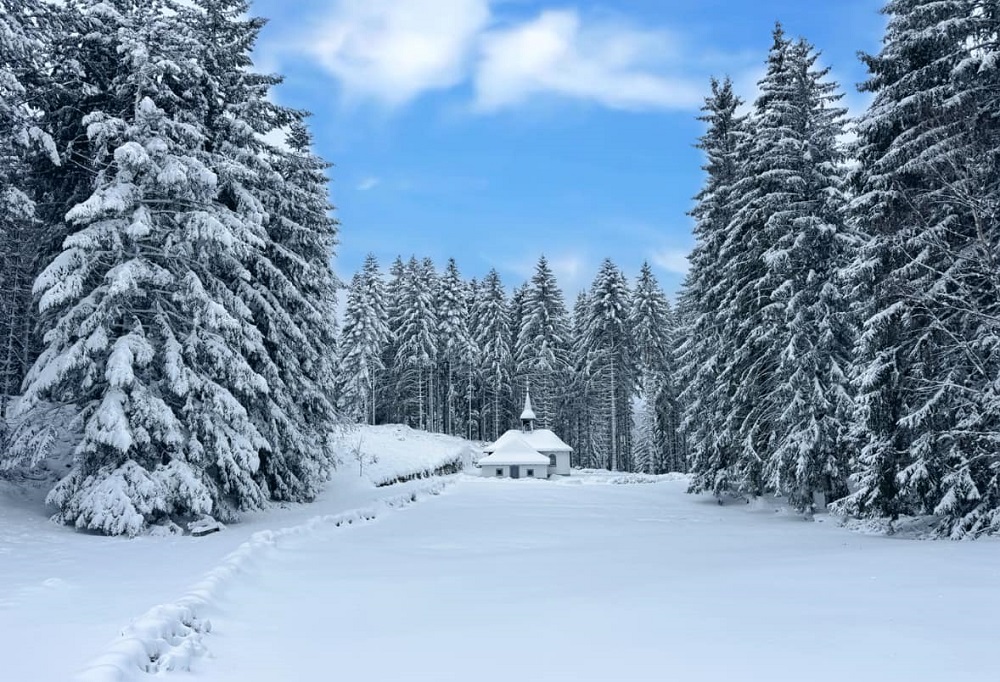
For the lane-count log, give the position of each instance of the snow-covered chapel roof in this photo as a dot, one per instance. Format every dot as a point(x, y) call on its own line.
point(542, 440)
point(514, 450)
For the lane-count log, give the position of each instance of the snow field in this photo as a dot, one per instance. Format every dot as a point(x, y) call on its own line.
point(502, 580)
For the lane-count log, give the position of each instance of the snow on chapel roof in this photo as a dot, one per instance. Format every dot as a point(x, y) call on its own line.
point(514, 450)
point(542, 440)
point(545, 440)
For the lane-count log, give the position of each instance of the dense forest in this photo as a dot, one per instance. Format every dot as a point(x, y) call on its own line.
point(437, 352)
point(166, 276)
point(166, 271)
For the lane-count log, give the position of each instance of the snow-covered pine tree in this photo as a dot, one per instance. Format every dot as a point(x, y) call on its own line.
point(363, 342)
point(301, 239)
point(77, 81)
point(416, 344)
point(518, 302)
point(669, 408)
point(45, 99)
point(150, 339)
point(18, 52)
point(580, 430)
point(473, 388)
point(701, 352)
point(493, 338)
point(291, 291)
point(658, 410)
point(928, 187)
point(430, 281)
point(754, 332)
point(456, 349)
point(808, 246)
point(541, 352)
point(388, 404)
point(611, 363)
point(644, 438)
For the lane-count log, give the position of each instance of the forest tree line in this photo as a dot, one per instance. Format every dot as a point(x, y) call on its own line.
point(837, 338)
point(166, 275)
point(440, 353)
point(841, 315)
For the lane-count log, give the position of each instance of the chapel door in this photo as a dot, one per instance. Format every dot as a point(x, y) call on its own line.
point(515, 471)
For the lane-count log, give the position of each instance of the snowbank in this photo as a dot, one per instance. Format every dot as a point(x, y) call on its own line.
point(394, 453)
point(605, 477)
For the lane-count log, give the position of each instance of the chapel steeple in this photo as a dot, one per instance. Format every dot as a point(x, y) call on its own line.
point(528, 415)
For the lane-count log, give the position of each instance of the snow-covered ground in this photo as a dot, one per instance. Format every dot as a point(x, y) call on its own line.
point(595, 577)
point(67, 597)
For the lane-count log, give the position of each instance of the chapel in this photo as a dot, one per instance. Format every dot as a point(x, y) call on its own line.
point(526, 452)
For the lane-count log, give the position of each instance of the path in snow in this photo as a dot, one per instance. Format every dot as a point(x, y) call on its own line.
point(533, 580)
point(66, 598)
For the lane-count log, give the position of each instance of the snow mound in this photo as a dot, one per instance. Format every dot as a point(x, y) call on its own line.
point(171, 637)
point(394, 453)
point(605, 477)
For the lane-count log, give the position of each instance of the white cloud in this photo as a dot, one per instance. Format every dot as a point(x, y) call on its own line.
point(392, 51)
point(616, 66)
point(671, 260)
point(370, 182)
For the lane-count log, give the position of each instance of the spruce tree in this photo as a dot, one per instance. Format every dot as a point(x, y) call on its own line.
point(753, 332)
point(581, 432)
point(493, 339)
point(809, 243)
point(291, 292)
point(927, 184)
point(149, 337)
point(541, 352)
point(701, 353)
point(456, 350)
point(658, 415)
point(390, 410)
point(189, 311)
point(416, 345)
point(611, 363)
point(23, 51)
point(363, 342)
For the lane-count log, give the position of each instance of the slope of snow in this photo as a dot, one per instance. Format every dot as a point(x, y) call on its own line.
point(394, 452)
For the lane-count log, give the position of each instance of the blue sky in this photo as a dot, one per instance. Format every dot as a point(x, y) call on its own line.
point(493, 131)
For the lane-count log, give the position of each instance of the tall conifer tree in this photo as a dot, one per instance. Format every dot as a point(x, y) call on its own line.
point(702, 353)
point(542, 346)
point(493, 336)
point(926, 278)
point(611, 363)
point(363, 343)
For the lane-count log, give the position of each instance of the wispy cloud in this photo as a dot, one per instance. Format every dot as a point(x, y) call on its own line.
point(572, 270)
point(391, 52)
point(367, 183)
point(558, 54)
point(671, 260)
